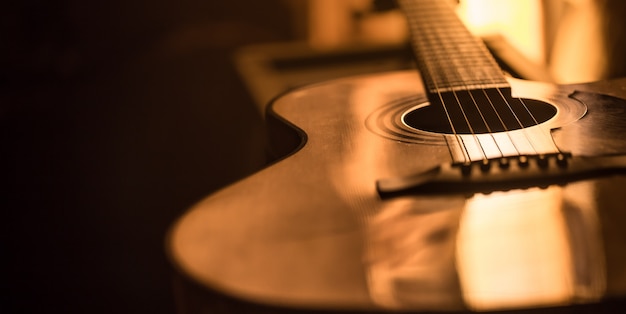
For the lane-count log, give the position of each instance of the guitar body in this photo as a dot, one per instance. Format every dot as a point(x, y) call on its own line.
point(312, 231)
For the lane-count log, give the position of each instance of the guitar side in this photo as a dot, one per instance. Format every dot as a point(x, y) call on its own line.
point(312, 232)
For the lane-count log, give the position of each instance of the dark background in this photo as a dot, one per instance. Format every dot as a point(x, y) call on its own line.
point(115, 117)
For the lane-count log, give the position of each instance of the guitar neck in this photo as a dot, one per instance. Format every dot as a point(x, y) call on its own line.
point(448, 56)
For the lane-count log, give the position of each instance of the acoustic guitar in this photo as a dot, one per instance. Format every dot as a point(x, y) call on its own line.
point(450, 188)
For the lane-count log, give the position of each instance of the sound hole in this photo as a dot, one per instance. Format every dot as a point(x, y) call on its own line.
point(479, 112)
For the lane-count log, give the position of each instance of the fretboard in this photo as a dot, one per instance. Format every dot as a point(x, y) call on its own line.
point(449, 57)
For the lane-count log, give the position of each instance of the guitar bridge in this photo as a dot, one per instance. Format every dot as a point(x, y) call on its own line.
point(503, 174)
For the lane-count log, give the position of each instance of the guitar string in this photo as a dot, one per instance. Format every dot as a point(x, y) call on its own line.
point(492, 106)
point(543, 131)
point(482, 117)
point(475, 103)
point(504, 126)
point(446, 77)
point(410, 9)
point(489, 129)
point(515, 114)
point(447, 81)
point(521, 126)
point(471, 129)
point(436, 41)
point(517, 118)
point(493, 81)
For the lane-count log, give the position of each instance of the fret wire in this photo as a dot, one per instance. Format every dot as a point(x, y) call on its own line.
point(492, 81)
point(471, 58)
point(430, 81)
point(463, 49)
point(448, 72)
point(453, 41)
point(459, 49)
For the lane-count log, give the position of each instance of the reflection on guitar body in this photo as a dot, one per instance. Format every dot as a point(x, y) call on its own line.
point(452, 188)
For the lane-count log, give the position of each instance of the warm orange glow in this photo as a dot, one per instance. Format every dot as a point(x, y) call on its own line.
point(329, 23)
point(409, 242)
point(513, 250)
point(579, 53)
point(518, 21)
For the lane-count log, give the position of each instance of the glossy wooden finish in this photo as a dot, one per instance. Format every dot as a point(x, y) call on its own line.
point(311, 231)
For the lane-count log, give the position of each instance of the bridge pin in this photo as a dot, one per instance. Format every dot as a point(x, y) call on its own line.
point(561, 160)
point(542, 161)
point(504, 163)
point(522, 161)
point(485, 165)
